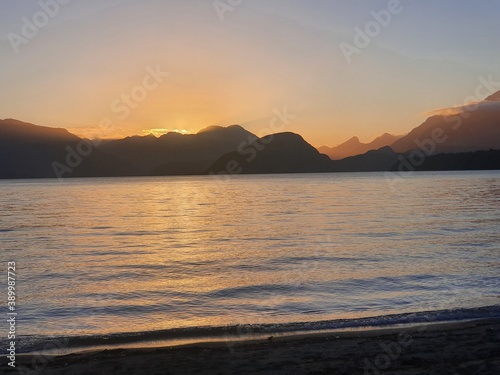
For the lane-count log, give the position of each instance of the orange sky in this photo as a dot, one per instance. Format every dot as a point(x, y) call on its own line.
point(92, 59)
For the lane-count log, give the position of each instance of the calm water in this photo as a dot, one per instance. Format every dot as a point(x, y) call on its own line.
point(101, 256)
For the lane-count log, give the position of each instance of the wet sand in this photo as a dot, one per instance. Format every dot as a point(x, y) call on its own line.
point(448, 348)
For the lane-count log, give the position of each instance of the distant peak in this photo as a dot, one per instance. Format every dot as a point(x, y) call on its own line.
point(494, 97)
point(286, 135)
point(352, 140)
point(210, 128)
point(239, 127)
point(386, 136)
point(234, 129)
point(172, 135)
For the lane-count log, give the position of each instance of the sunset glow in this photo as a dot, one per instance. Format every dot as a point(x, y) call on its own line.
point(254, 187)
point(236, 68)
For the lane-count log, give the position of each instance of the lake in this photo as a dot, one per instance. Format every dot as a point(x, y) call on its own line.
point(134, 255)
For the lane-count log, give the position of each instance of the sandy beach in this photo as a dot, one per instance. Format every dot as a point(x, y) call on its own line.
point(445, 348)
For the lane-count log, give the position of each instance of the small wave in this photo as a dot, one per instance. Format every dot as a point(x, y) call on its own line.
point(35, 344)
point(136, 233)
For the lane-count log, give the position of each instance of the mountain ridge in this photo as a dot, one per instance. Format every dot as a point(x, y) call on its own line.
point(31, 151)
point(354, 146)
point(172, 152)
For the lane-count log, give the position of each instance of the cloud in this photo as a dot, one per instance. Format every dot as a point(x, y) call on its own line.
point(468, 107)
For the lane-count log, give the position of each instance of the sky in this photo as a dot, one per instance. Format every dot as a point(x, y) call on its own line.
point(113, 68)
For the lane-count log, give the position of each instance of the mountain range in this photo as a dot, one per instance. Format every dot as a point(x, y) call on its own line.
point(354, 147)
point(469, 129)
point(31, 151)
point(178, 154)
point(442, 142)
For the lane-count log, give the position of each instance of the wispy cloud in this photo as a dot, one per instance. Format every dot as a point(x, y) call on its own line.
point(471, 106)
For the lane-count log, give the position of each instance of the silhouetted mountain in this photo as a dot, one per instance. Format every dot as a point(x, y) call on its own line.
point(478, 160)
point(17, 131)
point(277, 153)
point(175, 153)
point(471, 130)
point(290, 153)
point(350, 147)
point(31, 151)
point(373, 161)
point(354, 147)
point(494, 97)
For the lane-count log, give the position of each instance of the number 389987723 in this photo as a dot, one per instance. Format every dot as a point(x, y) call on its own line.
point(11, 285)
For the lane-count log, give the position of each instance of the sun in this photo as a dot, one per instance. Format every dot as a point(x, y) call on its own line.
point(158, 132)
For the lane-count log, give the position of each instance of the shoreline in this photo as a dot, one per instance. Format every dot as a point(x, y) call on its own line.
point(62, 345)
point(463, 346)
